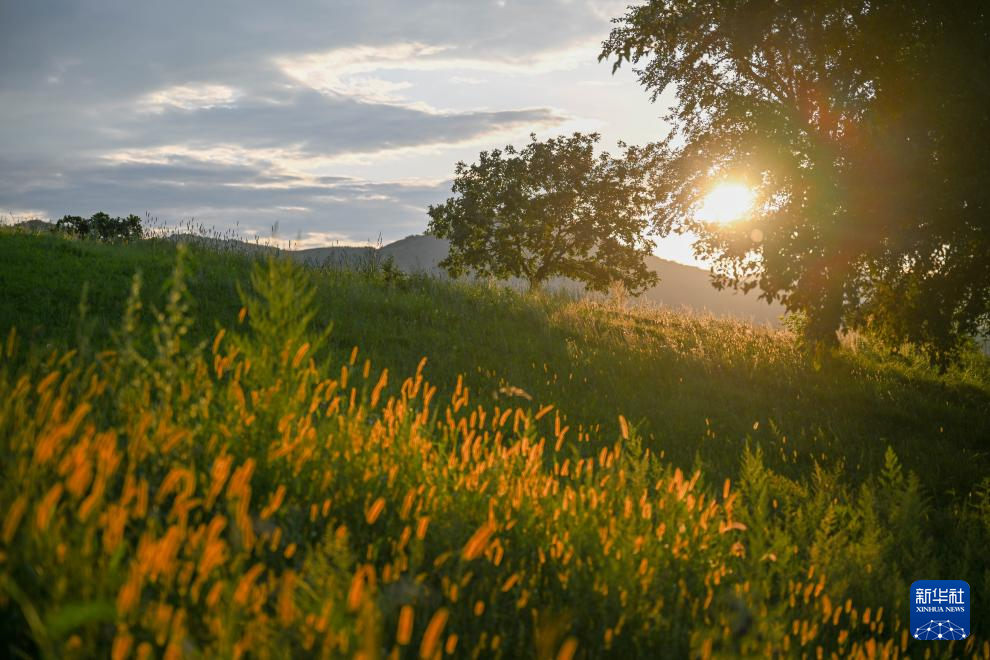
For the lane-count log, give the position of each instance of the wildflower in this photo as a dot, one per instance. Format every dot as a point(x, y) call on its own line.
point(567, 649)
point(476, 544)
point(376, 510)
point(244, 586)
point(404, 631)
point(286, 607)
point(13, 518)
point(428, 647)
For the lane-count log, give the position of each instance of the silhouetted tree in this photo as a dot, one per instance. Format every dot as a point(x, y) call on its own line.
point(553, 208)
point(864, 127)
point(102, 226)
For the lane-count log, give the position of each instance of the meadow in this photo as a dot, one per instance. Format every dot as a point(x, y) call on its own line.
point(232, 456)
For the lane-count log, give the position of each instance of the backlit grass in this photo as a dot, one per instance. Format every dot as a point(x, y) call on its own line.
point(255, 488)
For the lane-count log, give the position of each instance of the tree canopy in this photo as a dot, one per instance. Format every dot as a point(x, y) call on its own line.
point(101, 226)
point(860, 125)
point(551, 209)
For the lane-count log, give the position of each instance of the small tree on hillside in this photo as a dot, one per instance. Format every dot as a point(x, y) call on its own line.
point(550, 209)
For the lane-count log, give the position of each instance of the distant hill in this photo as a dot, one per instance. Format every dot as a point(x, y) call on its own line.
point(413, 254)
point(683, 286)
point(680, 287)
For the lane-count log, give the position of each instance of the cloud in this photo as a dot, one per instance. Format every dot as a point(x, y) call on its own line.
point(349, 71)
point(190, 97)
point(315, 124)
point(138, 47)
point(224, 195)
point(249, 112)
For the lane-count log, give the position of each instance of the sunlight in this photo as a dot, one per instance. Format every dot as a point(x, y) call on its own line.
point(726, 203)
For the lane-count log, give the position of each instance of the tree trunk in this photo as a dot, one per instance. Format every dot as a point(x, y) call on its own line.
point(825, 319)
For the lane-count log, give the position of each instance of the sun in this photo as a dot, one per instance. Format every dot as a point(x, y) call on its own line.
point(726, 203)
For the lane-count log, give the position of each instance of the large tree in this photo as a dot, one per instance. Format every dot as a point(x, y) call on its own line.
point(553, 208)
point(862, 125)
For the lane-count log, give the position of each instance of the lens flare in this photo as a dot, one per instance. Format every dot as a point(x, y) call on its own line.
point(726, 203)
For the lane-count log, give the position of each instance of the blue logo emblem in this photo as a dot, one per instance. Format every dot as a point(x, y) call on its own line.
point(940, 609)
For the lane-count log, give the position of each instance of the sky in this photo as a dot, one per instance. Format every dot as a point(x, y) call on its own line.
point(338, 122)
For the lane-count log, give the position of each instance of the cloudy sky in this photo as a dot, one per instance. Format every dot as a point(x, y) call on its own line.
point(339, 120)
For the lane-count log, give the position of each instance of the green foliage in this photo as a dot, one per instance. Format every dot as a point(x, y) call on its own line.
point(279, 307)
point(550, 209)
point(102, 227)
point(590, 358)
point(858, 124)
point(857, 545)
point(866, 456)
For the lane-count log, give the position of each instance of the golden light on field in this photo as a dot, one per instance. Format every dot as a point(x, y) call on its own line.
point(726, 203)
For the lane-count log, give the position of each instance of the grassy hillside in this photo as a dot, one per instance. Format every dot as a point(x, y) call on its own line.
point(680, 286)
point(697, 485)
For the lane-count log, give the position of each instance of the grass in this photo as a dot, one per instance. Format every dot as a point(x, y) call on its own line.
point(698, 485)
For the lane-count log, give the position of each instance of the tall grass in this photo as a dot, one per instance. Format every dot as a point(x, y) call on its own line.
point(259, 492)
